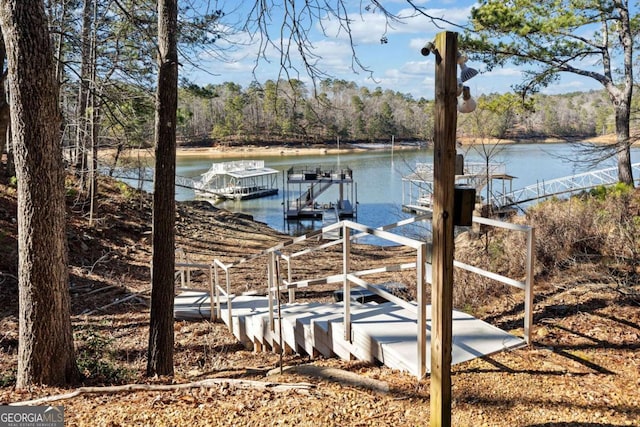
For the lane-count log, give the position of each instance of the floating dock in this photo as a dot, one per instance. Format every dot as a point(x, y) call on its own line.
point(309, 183)
point(237, 180)
point(383, 333)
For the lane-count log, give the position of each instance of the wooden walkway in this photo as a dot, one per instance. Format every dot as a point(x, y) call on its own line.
point(381, 333)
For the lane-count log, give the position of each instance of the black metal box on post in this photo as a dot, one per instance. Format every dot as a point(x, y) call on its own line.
point(459, 164)
point(464, 200)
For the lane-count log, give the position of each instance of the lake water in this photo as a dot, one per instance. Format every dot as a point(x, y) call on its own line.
point(378, 176)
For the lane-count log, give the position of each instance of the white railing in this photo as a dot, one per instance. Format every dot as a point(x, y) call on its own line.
point(347, 276)
point(184, 266)
point(236, 165)
point(565, 185)
point(469, 168)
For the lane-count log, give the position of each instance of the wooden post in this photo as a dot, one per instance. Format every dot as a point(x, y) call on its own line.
point(444, 161)
point(346, 284)
point(421, 282)
point(528, 296)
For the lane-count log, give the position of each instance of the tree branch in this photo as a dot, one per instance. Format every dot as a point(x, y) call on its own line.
point(208, 383)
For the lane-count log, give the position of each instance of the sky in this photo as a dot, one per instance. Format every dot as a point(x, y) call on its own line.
point(396, 65)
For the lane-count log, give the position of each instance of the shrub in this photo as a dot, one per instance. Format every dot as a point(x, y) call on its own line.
point(601, 227)
point(565, 232)
point(95, 358)
point(125, 190)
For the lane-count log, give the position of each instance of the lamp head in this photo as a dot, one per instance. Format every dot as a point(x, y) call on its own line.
point(427, 49)
point(468, 104)
point(466, 73)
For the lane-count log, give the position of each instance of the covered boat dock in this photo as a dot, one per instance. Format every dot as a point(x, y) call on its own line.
point(237, 180)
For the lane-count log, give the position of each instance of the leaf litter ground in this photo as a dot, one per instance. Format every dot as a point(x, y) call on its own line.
point(582, 369)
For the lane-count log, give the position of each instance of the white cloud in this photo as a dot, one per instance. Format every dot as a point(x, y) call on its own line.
point(335, 56)
point(502, 72)
point(397, 65)
point(368, 27)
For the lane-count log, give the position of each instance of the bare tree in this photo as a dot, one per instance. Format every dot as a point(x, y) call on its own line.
point(4, 105)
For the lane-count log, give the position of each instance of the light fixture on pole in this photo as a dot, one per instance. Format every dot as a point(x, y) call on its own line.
point(460, 88)
point(430, 47)
point(466, 73)
point(427, 49)
point(468, 104)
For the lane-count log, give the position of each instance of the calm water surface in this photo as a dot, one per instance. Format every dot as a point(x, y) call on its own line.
point(378, 176)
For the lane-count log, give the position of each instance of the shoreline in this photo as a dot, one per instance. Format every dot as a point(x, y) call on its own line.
point(253, 150)
point(284, 151)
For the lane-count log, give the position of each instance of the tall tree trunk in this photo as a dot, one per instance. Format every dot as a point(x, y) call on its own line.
point(82, 121)
point(4, 105)
point(623, 143)
point(94, 121)
point(5, 118)
point(45, 346)
point(60, 44)
point(161, 338)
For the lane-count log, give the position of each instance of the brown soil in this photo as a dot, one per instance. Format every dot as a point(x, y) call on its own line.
point(583, 368)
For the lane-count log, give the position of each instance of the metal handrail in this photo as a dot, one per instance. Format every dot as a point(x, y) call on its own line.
point(348, 277)
point(565, 185)
point(225, 291)
point(185, 267)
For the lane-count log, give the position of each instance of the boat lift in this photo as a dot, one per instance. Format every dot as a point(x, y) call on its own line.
point(417, 187)
point(309, 183)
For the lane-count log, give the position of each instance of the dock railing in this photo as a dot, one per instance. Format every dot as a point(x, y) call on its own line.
point(527, 284)
point(184, 266)
point(277, 284)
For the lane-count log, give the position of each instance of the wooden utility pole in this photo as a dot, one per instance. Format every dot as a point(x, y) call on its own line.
point(444, 160)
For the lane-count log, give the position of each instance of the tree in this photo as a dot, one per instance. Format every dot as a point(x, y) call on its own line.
point(563, 37)
point(4, 105)
point(45, 347)
point(503, 111)
point(161, 338)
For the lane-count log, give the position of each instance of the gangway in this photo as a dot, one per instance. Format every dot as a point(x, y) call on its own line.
point(314, 191)
point(572, 184)
point(395, 333)
point(146, 175)
point(330, 216)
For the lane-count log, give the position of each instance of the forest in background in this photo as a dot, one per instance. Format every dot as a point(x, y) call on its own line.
point(289, 112)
